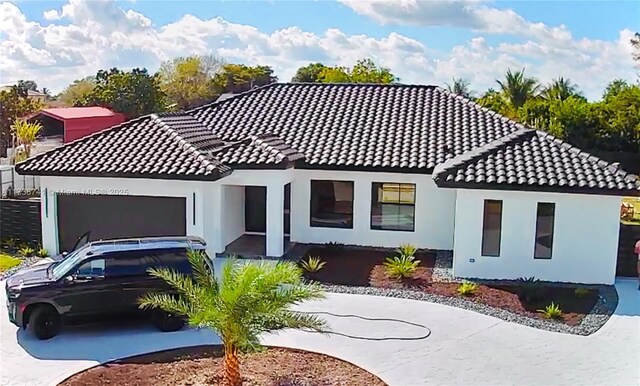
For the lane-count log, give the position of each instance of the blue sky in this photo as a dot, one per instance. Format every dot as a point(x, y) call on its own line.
point(432, 41)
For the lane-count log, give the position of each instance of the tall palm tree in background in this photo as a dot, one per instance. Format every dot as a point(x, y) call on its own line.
point(517, 88)
point(248, 300)
point(460, 86)
point(561, 89)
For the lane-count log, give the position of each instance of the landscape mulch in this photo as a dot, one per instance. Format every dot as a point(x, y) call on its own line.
point(364, 268)
point(202, 365)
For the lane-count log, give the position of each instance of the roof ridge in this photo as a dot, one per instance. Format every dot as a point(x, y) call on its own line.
point(471, 156)
point(594, 160)
point(262, 140)
point(233, 97)
point(186, 145)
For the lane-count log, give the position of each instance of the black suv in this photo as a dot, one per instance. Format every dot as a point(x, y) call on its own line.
point(96, 282)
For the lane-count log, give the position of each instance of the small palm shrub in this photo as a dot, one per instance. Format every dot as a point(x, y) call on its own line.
point(246, 301)
point(406, 250)
point(334, 247)
point(10, 243)
point(400, 267)
point(581, 292)
point(312, 264)
point(42, 252)
point(467, 288)
point(26, 251)
point(530, 289)
point(552, 311)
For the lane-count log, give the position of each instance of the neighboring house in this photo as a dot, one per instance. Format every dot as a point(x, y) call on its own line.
point(375, 165)
point(31, 94)
point(72, 123)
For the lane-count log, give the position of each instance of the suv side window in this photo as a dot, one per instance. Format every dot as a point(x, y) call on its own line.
point(175, 259)
point(124, 264)
point(91, 268)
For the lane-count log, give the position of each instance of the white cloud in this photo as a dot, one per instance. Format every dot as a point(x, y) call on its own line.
point(100, 34)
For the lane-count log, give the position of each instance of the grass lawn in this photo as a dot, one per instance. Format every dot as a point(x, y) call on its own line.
point(7, 262)
point(635, 201)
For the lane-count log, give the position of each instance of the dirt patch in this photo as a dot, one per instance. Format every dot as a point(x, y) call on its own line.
point(354, 266)
point(364, 267)
point(203, 366)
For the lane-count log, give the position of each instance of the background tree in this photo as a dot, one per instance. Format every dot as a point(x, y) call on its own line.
point(460, 87)
point(236, 78)
point(27, 85)
point(635, 43)
point(133, 93)
point(496, 101)
point(517, 88)
point(189, 81)
point(77, 91)
point(14, 104)
point(248, 300)
point(364, 71)
point(309, 73)
point(25, 134)
point(561, 89)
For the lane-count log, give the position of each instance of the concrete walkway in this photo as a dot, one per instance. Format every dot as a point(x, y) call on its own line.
point(457, 347)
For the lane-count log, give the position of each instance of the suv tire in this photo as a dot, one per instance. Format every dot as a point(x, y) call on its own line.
point(167, 322)
point(44, 322)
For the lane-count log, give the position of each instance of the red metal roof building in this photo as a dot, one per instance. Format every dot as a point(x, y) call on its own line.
point(76, 122)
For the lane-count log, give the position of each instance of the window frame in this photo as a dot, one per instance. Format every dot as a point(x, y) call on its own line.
point(553, 229)
point(327, 225)
point(483, 230)
point(374, 193)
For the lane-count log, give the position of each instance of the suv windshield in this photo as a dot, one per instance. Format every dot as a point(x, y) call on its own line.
point(62, 268)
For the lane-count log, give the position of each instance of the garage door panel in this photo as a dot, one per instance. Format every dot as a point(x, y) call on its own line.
point(109, 217)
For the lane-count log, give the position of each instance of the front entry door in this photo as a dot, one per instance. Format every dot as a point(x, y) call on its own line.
point(255, 209)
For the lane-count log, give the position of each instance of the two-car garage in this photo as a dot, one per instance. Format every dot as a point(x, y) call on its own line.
point(118, 216)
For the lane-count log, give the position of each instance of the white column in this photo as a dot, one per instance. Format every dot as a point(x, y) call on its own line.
point(48, 216)
point(275, 219)
point(213, 219)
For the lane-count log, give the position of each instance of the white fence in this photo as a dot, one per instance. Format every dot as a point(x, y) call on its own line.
point(10, 181)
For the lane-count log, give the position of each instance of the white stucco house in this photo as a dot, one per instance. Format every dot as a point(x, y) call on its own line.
point(374, 165)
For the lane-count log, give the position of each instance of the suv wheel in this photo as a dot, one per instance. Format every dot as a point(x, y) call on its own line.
point(44, 322)
point(167, 322)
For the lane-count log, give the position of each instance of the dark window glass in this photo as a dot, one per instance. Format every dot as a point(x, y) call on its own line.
point(174, 259)
point(91, 268)
point(124, 264)
point(544, 230)
point(332, 204)
point(491, 228)
point(393, 206)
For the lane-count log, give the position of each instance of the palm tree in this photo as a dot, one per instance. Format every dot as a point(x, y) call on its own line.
point(460, 87)
point(248, 299)
point(25, 134)
point(560, 89)
point(517, 88)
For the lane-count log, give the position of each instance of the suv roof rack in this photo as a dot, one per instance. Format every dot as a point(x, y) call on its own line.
point(132, 244)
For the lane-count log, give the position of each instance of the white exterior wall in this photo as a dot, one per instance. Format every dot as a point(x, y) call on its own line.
point(434, 210)
point(50, 186)
point(585, 240)
point(232, 212)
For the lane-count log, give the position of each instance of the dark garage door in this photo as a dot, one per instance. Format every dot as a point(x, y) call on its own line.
point(109, 217)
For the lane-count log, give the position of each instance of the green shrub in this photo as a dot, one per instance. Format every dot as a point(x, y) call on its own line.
point(312, 264)
point(530, 289)
point(399, 267)
point(42, 252)
point(552, 311)
point(8, 262)
point(26, 251)
point(407, 250)
point(10, 243)
point(467, 288)
point(581, 292)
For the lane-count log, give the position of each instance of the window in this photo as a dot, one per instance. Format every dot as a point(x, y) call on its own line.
point(124, 264)
point(393, 206)
point(491, 228)
point(332, 204)
point(92, 268)
point(544, 230)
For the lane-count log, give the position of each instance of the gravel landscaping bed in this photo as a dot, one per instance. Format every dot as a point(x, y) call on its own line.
point(606, 304)
point(27, 261)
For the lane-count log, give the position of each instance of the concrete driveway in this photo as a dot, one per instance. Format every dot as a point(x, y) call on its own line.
point(404, 342)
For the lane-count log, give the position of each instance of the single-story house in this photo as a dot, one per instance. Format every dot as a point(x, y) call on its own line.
point(71, 123)
point(375, 165)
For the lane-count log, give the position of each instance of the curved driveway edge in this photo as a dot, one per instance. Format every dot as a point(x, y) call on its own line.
point(463, 347)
